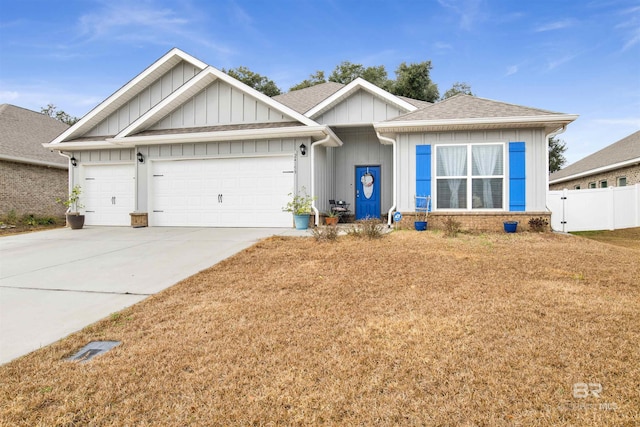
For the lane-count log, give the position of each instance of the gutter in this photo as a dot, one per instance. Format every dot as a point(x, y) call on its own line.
point(547, 137)
point(70, 168)
point(34, 162)
point(414, 124)
point(395, 172)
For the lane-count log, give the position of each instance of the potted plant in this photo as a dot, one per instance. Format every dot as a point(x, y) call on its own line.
point(510, 226)
point(300, 207)
point(331, 218)
point(74, 219)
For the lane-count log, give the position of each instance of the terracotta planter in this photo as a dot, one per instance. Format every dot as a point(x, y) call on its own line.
point(75, 222)
point(331, 220)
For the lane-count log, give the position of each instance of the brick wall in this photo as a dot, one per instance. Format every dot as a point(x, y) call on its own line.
point(632, 173)
point(31, 189)
point(476, 221)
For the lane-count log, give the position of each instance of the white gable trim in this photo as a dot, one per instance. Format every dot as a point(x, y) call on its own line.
point(126, 92)
point(417, 125)
point(352, 87)
point(192, 88)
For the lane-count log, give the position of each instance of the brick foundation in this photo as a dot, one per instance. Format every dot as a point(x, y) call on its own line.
point(476, 221)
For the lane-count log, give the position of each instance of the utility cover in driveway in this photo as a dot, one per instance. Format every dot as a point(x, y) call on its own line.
point(93, 349)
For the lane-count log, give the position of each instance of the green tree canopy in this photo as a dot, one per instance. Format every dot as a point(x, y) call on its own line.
point(414, 81)
point(557, 148)
point(347, 72)
point(53, 112)
point(254, 80)
point(314, 79)
point(458, 87)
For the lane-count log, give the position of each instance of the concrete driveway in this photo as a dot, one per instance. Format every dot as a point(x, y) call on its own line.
point(56, 282)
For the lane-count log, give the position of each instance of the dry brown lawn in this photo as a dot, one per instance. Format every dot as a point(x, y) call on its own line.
point(411, 329)
point(626, 237)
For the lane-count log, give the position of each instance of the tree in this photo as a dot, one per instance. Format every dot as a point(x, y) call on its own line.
point(414, 81)
point(347, 72)
point(314, 79)
point(53, 112)
point(557, 148)
point(458, 87)
point(254, 80)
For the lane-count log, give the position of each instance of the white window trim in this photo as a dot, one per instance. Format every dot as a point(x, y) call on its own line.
point(469, 177)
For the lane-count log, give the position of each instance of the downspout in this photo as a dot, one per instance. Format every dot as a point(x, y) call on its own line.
point(395, 172)
point(70, 183)
point(313, 176)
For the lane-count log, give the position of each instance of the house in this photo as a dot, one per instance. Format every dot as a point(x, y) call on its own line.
point(32, 176)
point(184, 144)
point(615, 165)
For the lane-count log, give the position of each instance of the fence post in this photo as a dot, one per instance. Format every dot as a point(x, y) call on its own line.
point(564, 209)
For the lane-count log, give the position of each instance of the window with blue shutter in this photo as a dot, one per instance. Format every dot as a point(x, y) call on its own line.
point(517, 177)
point(423, 170)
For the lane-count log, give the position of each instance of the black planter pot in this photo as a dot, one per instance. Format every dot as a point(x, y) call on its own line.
point(75, 222)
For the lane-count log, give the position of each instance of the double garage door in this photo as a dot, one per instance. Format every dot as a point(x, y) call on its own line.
point(234, 192)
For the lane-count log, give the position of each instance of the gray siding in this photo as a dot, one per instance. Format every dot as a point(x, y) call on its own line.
point(361, 107)
point(323, 178)
point(220, 104)
point(361, 148)
point(145, 100)
point(536, 149)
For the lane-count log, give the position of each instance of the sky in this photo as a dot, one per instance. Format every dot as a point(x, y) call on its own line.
point(570, 56)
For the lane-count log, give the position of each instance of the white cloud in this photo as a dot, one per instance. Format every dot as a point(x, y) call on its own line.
point(7, 96)
point(442, 46)
point(468, 10)
point(557, 25)
point(556, 62)
point(512, 69)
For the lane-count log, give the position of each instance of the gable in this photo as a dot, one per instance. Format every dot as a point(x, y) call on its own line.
point(145, 100)
point(220, 104)
point(360, 107)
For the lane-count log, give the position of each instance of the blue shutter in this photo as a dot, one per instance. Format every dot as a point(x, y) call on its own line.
point(423, 170)
point(517, 177)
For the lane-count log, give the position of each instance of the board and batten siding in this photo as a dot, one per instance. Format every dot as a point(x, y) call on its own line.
point(213, 150)
point(535, 161)
point(361, 107)
point(145, 100)
point(361, 148)
point(220, 104)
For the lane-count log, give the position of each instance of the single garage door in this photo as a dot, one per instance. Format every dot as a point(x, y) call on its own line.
point(108, 194)
point(233, 192)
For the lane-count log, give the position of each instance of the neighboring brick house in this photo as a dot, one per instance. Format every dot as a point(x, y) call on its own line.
point(616, 165)
point(32, 176)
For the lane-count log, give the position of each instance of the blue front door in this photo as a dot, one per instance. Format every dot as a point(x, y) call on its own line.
point(367, 192)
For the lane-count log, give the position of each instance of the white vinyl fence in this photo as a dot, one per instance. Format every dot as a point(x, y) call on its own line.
point(595, 208)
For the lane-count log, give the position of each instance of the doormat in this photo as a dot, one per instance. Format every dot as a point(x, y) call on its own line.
point(92, 350)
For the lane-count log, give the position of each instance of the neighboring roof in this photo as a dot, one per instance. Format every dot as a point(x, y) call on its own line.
point(463, 111)
point(623, 153)
point(302, 100)
point(23, 131)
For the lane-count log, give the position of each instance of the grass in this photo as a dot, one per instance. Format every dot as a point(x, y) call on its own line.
point(626, 237)
point(409, 329)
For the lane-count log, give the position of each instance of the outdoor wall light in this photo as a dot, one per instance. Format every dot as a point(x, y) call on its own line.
point(73, 161)
point(140, 157)
point(303, 149)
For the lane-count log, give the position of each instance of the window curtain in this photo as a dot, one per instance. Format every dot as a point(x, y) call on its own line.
point(454, 163)
point(485, 160)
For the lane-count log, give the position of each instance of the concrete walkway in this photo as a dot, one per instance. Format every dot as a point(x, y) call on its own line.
point(56, 282)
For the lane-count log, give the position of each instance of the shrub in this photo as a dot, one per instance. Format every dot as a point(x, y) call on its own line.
point(370, 228)
point(325, 232)
point(451, 227)
point(538, 225)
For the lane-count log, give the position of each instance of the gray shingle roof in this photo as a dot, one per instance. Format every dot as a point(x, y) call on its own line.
point(462, 106)
point(303, 100)
point(626, 149)
point(415, 102)
point(22, 131)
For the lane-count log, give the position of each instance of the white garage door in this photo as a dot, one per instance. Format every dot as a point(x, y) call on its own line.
point(108, 194)
point(237, 192)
